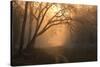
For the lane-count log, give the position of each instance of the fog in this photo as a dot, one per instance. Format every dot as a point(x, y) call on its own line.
point(52, 36)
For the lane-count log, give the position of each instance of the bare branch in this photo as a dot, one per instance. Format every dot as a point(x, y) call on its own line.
point(62, 19)
point(36, 10)
point(43, 17)
point(44, 30)
point(33, 14)
point(66, 19)
point(52, 18)
point(52, 21)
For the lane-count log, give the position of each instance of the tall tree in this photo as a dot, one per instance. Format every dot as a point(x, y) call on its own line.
point(30, 22)
point(23, 27)
point(39, 14)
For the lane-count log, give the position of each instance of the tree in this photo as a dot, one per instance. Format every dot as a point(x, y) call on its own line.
point(30, 23)
point(16, 21)
point(60, 17)
point(23, 28)
point(36, 15)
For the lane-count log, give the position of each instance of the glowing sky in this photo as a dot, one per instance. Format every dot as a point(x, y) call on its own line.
point(56, 35)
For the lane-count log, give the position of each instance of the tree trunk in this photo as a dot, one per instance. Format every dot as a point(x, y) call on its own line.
point(29, 50)
point(23, 28)
point(30, 23)
point(31, 43)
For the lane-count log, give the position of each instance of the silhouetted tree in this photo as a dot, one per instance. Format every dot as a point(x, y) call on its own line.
point(23, 28)
point(30, 22)
point(17, 16)
point(39, 14)
point(36, 14)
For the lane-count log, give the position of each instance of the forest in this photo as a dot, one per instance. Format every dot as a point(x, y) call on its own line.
point(49, 33)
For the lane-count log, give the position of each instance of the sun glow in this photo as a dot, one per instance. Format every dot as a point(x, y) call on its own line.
point(55, 36)
point(54, 9)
